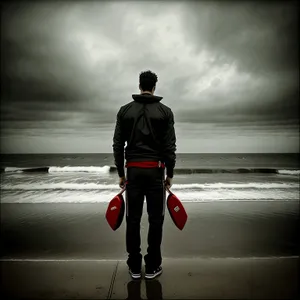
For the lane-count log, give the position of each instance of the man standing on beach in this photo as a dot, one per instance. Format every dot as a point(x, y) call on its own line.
point(147, 126)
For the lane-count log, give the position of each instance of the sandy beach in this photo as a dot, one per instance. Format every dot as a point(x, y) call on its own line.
point(215, 229)
point(227, 250)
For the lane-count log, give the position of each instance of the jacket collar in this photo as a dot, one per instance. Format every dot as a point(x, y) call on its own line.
point(146, 98)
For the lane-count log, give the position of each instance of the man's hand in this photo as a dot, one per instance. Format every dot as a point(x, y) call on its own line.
point(168, 182)
point(122, 181)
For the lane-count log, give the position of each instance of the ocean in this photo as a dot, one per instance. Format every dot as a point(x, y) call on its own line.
point(91, 178)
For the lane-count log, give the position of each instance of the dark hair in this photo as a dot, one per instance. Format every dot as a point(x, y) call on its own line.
point(148, 80)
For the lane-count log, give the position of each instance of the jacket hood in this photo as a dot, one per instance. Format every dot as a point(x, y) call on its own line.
point(146, 98)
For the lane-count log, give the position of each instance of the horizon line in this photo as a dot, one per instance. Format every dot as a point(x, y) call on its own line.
point(111, 153)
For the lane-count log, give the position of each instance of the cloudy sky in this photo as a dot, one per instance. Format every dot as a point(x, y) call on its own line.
point(229, 71)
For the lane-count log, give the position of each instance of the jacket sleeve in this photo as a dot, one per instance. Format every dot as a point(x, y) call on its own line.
point(118, 145)
point(170, 145)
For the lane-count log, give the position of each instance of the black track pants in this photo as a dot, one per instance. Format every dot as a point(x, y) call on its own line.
point(144, 182)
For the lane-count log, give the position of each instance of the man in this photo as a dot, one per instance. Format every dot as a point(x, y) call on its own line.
point(147, 126)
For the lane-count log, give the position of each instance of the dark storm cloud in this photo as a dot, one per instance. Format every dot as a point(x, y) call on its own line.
point(75, 63)
point(262, 36)
point(272, 105)
point(261, 39)
point(43, 74)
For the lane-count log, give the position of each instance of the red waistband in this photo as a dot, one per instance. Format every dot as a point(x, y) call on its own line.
point(145, 164)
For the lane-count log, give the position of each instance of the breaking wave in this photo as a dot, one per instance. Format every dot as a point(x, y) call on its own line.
point(289, 172)
point(111, 169)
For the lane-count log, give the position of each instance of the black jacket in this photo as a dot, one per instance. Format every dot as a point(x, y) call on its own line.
point(147, 126)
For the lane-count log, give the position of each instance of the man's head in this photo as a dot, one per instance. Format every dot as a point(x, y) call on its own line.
point(148, 81)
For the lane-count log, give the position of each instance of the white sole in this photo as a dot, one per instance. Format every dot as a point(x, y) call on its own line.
point(151, 276)
point(135, 276)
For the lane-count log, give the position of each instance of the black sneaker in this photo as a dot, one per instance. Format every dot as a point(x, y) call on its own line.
point(150, 274)
point(135, 274)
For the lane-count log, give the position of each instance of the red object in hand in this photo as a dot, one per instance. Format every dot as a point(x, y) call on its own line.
point(176, 210)
point(115, 211)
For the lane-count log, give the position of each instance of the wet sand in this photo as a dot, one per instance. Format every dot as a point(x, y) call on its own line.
point(216, 229)
point(227, 250)
point(196, 278)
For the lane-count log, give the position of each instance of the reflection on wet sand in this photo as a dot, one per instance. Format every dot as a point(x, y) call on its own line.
point(153, 290)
